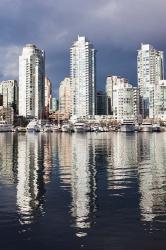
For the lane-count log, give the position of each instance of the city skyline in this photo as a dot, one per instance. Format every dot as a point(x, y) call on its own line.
point(115, 31)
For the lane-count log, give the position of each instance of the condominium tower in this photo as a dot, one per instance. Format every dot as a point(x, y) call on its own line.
point(82, 70)
point(150, 70)
point(122, 98)
point(31, 82)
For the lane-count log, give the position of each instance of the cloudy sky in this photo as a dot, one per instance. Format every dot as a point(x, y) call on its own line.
point(115, 27)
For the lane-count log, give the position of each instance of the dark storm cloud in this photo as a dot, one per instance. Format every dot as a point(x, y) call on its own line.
point(115, 27)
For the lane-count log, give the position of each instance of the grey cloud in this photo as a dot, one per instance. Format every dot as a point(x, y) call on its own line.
point(116, 28)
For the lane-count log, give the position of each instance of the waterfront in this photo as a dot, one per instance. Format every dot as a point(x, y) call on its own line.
point(83, 191)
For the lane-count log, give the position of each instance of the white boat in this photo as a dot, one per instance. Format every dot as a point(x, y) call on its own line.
point(80, 127)
point(48, 128)
point(5, 127)
point(94, 128)
point(66, 127)
point(33, 126)
point(127, 126)
point(156, 127)
point(56, 128)
point(146, 127)
point(21, 129)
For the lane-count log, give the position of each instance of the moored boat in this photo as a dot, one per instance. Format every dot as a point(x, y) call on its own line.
point(80, 127)
point(21, 129)
point(146, 127)
point(5, 126)
point(48, 128)
point(33, 126)
point(127, 126)
point(156, 127)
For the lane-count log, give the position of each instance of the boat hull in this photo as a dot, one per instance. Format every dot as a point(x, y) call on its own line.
point(147, 129)
point(127, 128)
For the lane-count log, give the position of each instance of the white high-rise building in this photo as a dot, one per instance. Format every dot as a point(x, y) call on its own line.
point(82, 70)
point(150, 70)
point(31, 82)
point(122, 98)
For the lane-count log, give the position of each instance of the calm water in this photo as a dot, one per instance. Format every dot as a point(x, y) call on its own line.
point(102, 191)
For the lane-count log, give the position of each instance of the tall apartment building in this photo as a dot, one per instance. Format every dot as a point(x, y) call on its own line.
point(159, 101)
point(65, 97)
point(123, 101)
point(83, 74)
point(150, 70)
point(9, 91)
point(48, 96)
point(122, 98)
point(31, 82)
point(111, 81)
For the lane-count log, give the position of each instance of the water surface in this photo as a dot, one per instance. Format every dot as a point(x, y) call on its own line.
point(83, 191)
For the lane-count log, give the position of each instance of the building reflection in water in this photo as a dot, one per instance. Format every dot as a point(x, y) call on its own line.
point(30, 183)
point(125, 160)
point(152, 176)
point(122, 160)
point(78, 175)
point(8, 158)
point(47, 143)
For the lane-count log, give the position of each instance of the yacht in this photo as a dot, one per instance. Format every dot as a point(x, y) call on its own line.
point(127, 126)
point(146, 126)
point(21, 129)
point(33, 126)
point(48, 127)
point(156, 127)
point(5, 127)
point(80, 127)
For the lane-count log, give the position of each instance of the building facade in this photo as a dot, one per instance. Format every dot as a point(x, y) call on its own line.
point(83, 77)
point(101, 103)
point(65, 96)
point(110, 80)
point(31, 82)
point(54, 104)
point(122, 99)
point(158, 98)
point(9, 91)
point(48, 96)
point(123, 106)
point(150, 70)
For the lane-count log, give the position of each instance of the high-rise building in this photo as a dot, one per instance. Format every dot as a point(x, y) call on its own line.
point(122, 98)
point(65, 96)
point(9, 91)
point(159, 101)
point(83, 82)
point(111, 81)
point(48, 96)
point(150, 70)
point(123, 107)
point(31, 82)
